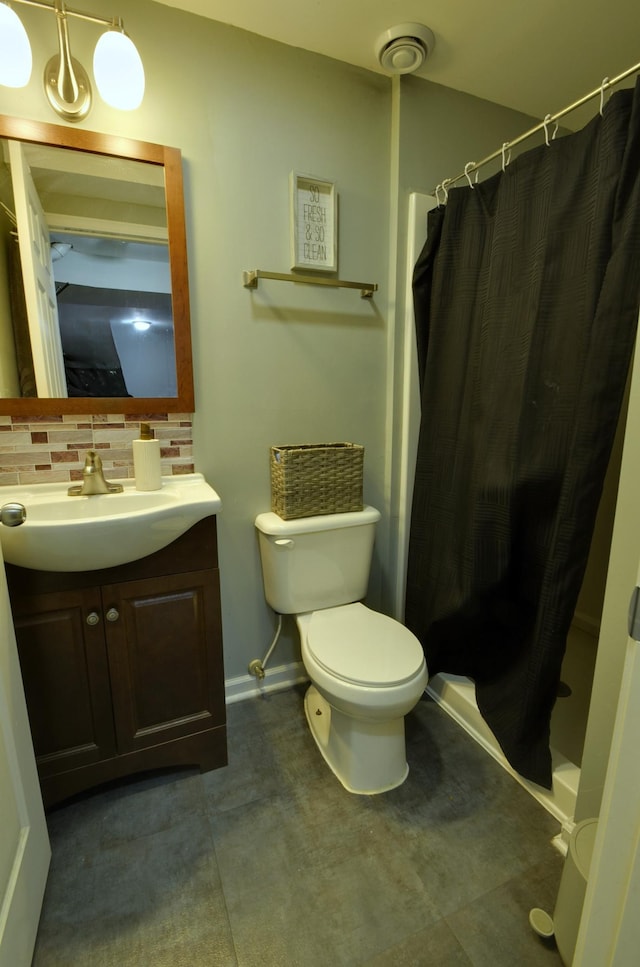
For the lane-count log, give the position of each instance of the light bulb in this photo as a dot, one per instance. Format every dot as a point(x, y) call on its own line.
point(15, 50)
point(141, 325)
point(118, 71)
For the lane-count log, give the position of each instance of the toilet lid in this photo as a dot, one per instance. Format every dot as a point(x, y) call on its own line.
point(363, 646)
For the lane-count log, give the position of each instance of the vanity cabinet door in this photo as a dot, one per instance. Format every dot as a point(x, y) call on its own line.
point(123, 667)
point(64, 666)
point(165, 658)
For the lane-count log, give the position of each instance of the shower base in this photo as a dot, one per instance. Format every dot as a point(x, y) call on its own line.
point(456, 695)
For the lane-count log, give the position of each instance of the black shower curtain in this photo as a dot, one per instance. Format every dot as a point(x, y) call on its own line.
point(526, 302)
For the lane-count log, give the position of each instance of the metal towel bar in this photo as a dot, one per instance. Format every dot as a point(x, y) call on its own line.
point(250, 281)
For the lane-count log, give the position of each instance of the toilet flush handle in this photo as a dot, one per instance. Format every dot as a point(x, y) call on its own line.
point(285, 543)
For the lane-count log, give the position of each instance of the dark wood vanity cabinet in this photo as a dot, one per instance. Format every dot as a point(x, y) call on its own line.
point(122, 667)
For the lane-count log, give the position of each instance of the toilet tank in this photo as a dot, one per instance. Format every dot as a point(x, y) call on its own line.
point(313, 563)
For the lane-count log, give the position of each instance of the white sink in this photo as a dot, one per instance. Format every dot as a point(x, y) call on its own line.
point(63, 533)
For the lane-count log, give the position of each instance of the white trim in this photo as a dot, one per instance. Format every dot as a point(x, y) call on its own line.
point(609, 928)
point(419, 205)
point(107, 228)
point(276, 679)
point(23, 828)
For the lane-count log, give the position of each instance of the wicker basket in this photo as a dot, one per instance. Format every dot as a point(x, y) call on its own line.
point(316, 478)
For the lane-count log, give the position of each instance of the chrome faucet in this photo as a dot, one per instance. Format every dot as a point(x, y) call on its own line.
point(93, 479)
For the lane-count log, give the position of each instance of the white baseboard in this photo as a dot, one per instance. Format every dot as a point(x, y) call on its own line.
point(275, 680)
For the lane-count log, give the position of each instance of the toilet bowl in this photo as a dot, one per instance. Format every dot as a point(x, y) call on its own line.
point(367, 671)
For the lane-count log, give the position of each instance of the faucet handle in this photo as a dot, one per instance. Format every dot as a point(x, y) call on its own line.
point(93, 479)
point(92, 462)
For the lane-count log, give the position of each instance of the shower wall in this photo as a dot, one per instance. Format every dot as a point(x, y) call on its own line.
point(569, 720)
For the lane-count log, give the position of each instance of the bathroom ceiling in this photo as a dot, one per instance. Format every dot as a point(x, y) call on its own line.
point(535, 56)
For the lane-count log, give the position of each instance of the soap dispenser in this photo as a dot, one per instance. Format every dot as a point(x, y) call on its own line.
point(146, 460)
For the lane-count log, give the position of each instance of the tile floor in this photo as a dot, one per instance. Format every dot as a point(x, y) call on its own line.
point(270, 862)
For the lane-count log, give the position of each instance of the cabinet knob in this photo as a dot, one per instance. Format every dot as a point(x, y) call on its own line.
point(112, 614)
point(93, 618)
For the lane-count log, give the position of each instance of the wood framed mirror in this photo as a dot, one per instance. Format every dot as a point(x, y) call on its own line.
point(110, 332)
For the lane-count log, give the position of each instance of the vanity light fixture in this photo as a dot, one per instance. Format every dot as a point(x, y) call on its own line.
point(15, 49)
point(117, 67)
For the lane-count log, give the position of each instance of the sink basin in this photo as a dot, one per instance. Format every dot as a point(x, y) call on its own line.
point(63, 533)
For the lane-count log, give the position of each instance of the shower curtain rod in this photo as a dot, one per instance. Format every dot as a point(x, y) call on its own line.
point(550, 118)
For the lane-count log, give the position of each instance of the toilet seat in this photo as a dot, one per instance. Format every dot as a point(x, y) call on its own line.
point(364, 647)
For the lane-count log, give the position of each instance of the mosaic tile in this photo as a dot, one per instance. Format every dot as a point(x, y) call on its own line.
point(51, 448)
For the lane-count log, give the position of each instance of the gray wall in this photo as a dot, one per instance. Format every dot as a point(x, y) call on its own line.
point(284, 364)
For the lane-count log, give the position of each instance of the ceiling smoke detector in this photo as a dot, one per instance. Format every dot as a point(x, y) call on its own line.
point(404, 49)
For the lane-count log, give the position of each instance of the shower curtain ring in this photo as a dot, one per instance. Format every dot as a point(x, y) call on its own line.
point(445, 189)
point(470, 165)
point(605, 84)
point(547, 119)
point(506, 157)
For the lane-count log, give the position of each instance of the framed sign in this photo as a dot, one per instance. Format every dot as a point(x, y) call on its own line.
point(314, 224)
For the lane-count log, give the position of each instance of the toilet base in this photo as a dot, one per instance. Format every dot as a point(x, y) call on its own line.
point(368, 756)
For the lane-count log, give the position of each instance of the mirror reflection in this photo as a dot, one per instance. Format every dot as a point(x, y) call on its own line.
point(85, 276)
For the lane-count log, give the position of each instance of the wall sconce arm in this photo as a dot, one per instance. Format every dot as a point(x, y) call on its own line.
point(67, 84)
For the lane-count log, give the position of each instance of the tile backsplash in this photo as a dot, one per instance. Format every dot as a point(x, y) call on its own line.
point(52, 448)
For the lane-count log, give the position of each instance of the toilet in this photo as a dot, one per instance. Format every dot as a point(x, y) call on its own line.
point(367, 671)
